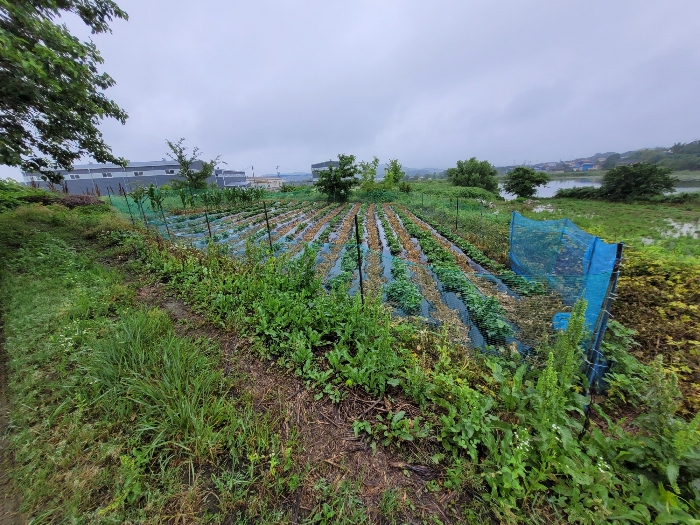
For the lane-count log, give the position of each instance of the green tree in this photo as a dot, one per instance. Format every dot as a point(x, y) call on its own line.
point(393, 173)
point(192, 178)
point(474, 173)
point(611, 161)
point(337, 182)
point(51, 92)
point(523, 181)
point(636, 181)
point(368, 171)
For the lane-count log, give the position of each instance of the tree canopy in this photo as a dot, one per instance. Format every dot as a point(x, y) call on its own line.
point(523, 181)
point(368, 170)
point(636, 181)
point(474, 173)
point(611, 161)
point(191, 177)
point(337, 182)
point(393, 173)
point(51, 92)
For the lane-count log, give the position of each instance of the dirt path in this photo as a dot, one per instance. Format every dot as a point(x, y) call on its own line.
point(327, 443)
point(9, 501)
point(375, 279)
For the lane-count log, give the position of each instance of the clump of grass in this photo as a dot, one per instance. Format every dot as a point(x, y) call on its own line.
point(116, 418)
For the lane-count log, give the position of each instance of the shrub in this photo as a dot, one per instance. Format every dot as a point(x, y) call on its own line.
point(523, 181)
point(636, 181)
point(584, 192)
point(474, 173)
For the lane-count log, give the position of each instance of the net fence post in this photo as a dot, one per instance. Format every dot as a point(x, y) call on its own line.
point(205, 199)
point(457, 215)
point(267, 222)
point(481, 222)
point(359, 260)
point(126, 199)
point(165, 221)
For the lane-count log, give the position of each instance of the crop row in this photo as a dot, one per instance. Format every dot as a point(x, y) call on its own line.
point(323, 239)
point(486, 313)
point(392, 241)
point(250, 225)
point(348, 261)
point(522, 285)
point(401, 290)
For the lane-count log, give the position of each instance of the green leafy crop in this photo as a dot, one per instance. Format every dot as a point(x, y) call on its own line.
point(486, 313)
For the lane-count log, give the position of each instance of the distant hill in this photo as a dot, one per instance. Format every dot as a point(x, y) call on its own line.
point(680, 156)
point(292, 177)
point(411, 172)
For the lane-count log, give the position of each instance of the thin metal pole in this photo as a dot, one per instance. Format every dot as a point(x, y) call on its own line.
point(110, 197)
point(126, 198)
point(162, 214)
point(481, 222)
point(457, 215)
point(143, 214)
point(206, 216)
point(269, 237)
point(359, 260)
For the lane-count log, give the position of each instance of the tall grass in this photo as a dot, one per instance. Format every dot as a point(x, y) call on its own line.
point(115, 417)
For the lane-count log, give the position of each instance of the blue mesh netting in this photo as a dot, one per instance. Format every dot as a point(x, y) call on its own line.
point(574, 263)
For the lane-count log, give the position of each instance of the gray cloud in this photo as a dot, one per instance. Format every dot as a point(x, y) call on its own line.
point(428, 82)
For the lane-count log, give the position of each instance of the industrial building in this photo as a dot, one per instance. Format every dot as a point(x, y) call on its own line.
point(97, 178)
point(316, 169)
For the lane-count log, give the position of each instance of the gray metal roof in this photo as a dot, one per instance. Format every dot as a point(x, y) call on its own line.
point(326, 164)
point(96, 165)
point(131, 166)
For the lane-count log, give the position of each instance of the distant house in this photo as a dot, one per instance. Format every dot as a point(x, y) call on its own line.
point(587, 166)
point(316, 169)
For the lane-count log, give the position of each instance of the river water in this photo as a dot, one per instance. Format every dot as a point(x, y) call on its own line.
point(550, 189)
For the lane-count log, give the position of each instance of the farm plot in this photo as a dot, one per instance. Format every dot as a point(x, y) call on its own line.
point(418, 267)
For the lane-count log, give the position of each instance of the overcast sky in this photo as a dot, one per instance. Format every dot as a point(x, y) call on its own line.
point(289, 83)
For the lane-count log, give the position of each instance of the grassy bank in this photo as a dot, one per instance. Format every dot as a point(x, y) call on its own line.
point(115, 417)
